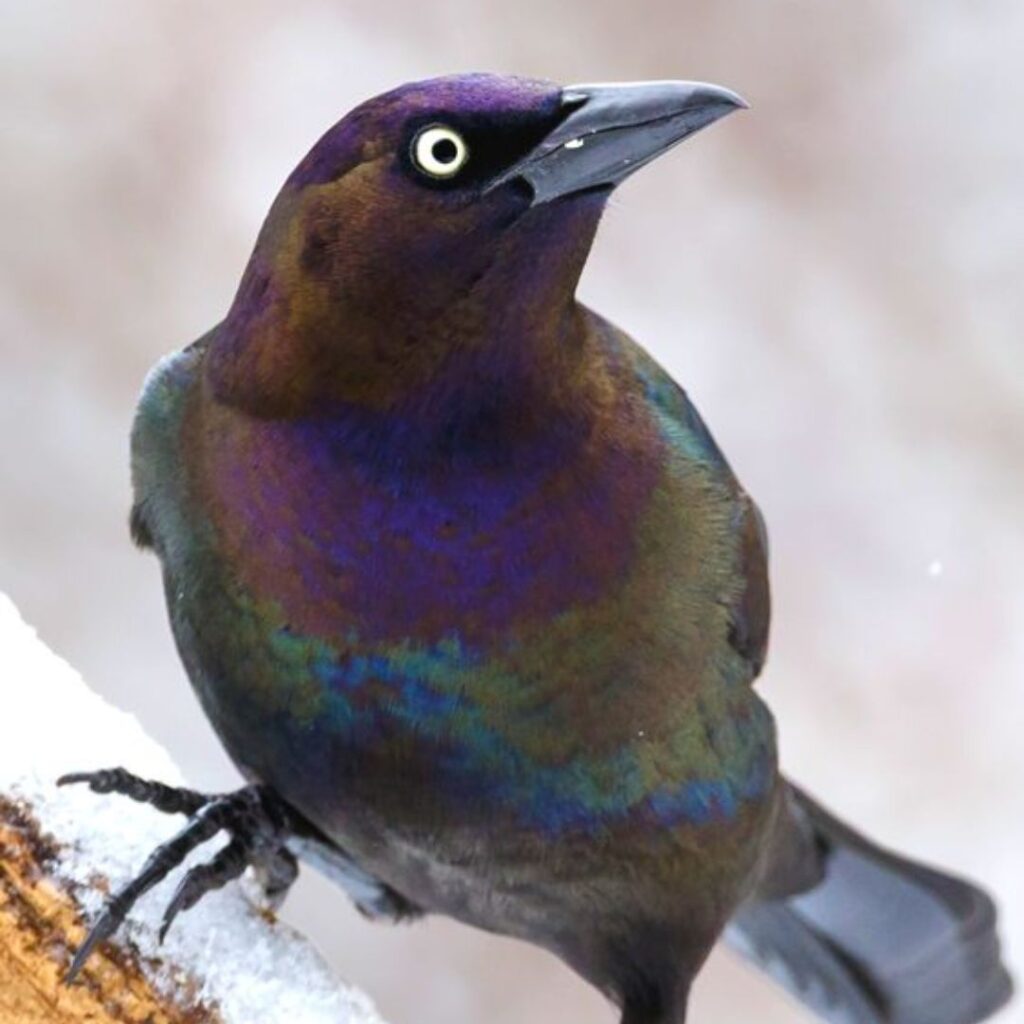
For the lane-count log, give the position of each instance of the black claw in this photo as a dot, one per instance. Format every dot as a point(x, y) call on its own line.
point(164, 859)
point(258, 822)
point(227, 865)
point(104, 927)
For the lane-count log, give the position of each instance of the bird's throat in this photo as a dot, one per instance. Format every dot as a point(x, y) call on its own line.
point(494, 339)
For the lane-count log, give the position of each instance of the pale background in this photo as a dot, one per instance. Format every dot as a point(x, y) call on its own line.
point(835, 276)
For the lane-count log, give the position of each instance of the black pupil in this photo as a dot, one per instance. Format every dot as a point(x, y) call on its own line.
point(444, 151)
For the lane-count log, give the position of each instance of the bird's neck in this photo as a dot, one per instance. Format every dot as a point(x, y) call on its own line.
point(497, 355)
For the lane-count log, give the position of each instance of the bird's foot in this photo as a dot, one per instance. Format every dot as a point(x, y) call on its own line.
point(257, 821)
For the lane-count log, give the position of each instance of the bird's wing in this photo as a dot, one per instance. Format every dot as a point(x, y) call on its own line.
point(683, 426)
point(751, 615)
point(155, 432)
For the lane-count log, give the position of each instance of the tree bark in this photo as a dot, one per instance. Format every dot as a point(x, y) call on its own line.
point(40, 926)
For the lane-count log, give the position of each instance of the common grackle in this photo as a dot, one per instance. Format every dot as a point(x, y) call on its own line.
point(472, 597)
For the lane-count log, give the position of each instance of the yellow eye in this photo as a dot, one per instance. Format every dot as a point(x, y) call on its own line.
point(439, 151)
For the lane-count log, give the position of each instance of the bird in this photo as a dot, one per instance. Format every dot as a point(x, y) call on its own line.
point(475, 602)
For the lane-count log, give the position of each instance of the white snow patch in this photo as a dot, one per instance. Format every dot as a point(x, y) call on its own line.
point(250, 969)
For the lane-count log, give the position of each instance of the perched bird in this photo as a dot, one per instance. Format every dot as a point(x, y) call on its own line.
point(474, 601)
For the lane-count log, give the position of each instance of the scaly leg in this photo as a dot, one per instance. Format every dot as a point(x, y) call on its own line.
point(265, 834)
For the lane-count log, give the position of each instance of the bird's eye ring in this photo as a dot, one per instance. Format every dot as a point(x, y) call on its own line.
point(439, 151)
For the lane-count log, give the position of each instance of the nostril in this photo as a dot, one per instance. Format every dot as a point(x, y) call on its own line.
point(522, 188)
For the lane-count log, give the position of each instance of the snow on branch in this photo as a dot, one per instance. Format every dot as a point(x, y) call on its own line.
point(61, 850)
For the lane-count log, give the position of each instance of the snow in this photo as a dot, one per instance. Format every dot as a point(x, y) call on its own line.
point(251, 969)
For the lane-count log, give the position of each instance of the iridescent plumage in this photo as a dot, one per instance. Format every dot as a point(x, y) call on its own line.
point(457, 570)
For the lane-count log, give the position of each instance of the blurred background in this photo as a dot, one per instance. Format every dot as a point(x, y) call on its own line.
point(835, 276)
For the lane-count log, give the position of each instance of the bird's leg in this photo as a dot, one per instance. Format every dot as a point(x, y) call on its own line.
point(652, 1001)
point(646, 1015)
point(258, 822)
point(373, 898)
point(276, 873)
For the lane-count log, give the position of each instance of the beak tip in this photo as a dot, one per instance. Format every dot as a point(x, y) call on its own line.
point(715, 94)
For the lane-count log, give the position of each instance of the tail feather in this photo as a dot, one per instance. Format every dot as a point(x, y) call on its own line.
point(804, 962)
point(880, 939)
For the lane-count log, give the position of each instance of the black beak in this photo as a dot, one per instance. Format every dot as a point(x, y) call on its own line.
point(614, 130)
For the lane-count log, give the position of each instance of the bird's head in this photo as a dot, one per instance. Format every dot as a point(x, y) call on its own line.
point(435, 221)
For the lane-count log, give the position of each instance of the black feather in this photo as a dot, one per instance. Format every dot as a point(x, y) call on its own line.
point(880, 939)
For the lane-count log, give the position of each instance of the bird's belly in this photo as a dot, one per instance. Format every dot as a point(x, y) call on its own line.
point(478, 791)
point(429, 757)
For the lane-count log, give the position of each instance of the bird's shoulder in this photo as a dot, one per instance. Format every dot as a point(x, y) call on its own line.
point(662, 399)
point(156, 428)
point(680, 425)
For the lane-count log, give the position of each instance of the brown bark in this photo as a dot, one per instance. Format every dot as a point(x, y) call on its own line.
point(41, 924)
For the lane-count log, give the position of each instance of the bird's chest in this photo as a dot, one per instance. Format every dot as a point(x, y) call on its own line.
point(449, 550)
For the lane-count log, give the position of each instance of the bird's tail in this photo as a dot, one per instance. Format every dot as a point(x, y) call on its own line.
point(878, 939)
